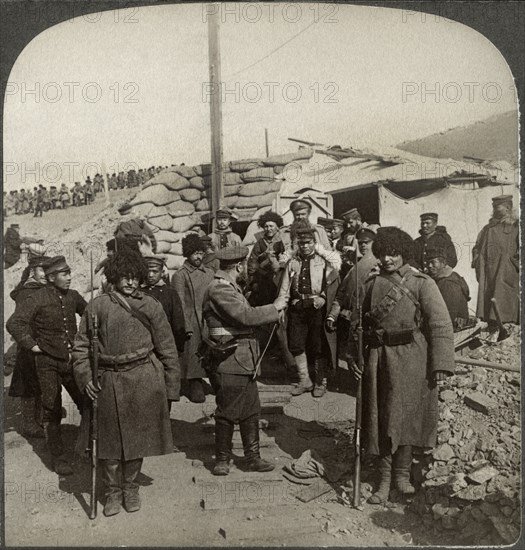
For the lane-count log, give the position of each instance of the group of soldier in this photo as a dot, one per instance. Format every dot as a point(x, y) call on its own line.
point(313, 284)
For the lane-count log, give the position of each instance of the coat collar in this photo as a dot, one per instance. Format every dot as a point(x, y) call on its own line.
point(220, 274)
point(192, 268)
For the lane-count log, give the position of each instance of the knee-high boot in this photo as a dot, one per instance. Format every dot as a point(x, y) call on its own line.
point(305, 383)
point(130, 471)
point(30, 426)
point(56, 448)
point(223, 446)
point(111, 478)
point(320, 378)
point(402, 466)
point(385, 472)
point(249, 429)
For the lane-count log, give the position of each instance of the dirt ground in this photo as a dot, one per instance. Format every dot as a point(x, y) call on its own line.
point(183, 504)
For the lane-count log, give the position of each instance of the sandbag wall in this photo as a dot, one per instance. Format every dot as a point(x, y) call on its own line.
point(177, 200)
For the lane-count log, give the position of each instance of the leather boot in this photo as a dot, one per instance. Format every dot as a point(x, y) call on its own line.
point(196, 390)
point(223, 446)
point(130, 471)
point(385, 471)
point(250, 441)
point(320, 379)
point(112, 486)
point(30, 427)
point(402, 466)
point(56, 448)
point(305, 384)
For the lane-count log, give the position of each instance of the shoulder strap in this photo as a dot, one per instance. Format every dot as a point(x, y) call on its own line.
point(130, 309)
point(391, 299)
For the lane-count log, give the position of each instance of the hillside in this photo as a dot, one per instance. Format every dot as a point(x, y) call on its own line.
point(495, 138)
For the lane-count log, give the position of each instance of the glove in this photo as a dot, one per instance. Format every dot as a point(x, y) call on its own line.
point(329, 324)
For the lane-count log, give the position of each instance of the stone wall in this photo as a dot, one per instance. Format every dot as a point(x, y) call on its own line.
point(177, 200)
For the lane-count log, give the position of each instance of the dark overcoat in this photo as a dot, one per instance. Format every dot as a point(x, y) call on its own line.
point(496, 261)
point(400, 397)
point(133, 415)
point(440, 240)
point(191, 283)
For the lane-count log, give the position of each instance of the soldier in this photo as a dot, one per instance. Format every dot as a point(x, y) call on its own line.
point(135, 228)
point(495, 257)
point(223, 235)
point(53, 197)
point(190, 282)
point(339, 315)
point(13, 242)
point(155, 286)
point(301, 210)
point(233, 356)
point(45, 324)
point(39, 202)
point(308, 287)
point(409, 347)
point(139, 376)
point(78, 194)
point(334, 230)
point(65, 197)
point(433, 236)
point(452, 286)
point(24, 383)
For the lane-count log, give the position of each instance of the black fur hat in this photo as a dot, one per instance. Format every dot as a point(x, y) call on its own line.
point(125, 263)
point(192, 243)
point(391, 241)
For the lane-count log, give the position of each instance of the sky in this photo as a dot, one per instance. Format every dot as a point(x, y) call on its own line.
point(128, 88)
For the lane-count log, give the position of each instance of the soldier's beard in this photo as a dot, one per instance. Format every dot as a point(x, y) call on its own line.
point(242, 279)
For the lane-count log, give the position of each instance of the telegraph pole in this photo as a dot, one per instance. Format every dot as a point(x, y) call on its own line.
point(214, 58)
point(266, 142)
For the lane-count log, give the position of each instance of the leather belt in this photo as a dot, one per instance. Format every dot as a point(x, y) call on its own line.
point(115, 367)
point(229, 331)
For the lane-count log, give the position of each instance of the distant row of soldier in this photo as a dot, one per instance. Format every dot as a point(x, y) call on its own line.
point(154, 334)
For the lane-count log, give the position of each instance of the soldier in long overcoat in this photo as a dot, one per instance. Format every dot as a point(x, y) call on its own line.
point(190, 282)
point(308, 288)
point(409, 347)
point(433, 236)
point(495, 257)
point(139, 376)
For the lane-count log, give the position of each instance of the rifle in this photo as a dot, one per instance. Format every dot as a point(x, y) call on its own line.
point(358, 398)
point(93, 427)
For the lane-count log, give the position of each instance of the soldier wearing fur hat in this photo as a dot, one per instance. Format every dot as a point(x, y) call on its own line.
point(308, 288)
point(434, 236)
point(139, 375)
point(233, 354)
point(495, 257)
point(223, 235)
point(24, 383)
point(190, 282)
point(45, 324)
point(409, 347)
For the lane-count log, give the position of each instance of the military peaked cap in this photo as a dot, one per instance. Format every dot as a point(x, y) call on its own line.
point(225, 212)
point(351, 214)
point(366, 234)
point(429, 216)
point(435, 252)
point(501, 199)
point(329, 222)
point(55, 264)
point(155, 259)
point(232, 253)
point(37, 261)
point(300, 204)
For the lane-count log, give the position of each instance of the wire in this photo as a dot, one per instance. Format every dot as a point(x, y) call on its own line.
point(273, 51)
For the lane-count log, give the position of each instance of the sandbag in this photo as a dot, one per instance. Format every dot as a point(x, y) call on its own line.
point(174, 262)
point(182, 224)
point(231, 190)
point(231, 202)
point(245, 165)
point(180, 208)
point(185, 171)
point(231, 178)
point(157, 211)
point(159, 195)
point(259, 188)
point(258, 174)
point(167, 236)
point(176, 249)
point(203, 170)
point(142, 210)
point(162, 222)
point(202, 206)
point(197, 182)
point(301, 154)
point(171, 180)
point(257, 201)
point(190, 194)
point(163, 247)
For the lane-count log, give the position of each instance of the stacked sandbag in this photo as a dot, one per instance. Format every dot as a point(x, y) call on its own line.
point(177, 200)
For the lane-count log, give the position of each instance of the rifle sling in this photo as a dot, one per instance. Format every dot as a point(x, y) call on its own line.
point(133, 311)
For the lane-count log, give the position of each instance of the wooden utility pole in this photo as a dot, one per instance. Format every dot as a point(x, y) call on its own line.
point(214, 57)
point(106, 184)
point(266, 141)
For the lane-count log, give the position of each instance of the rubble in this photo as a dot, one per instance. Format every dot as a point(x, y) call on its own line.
point(470, 483)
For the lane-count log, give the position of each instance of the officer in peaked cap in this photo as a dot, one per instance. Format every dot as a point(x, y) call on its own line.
point(434, 236)
point(223, 236)
point(233, 352)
